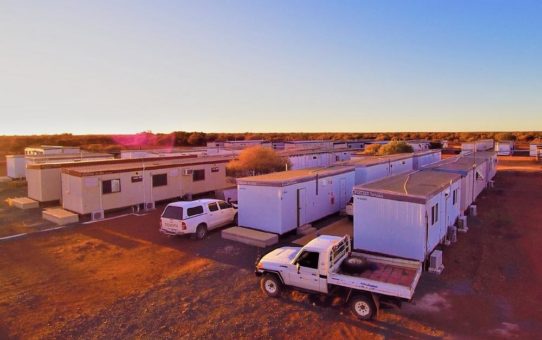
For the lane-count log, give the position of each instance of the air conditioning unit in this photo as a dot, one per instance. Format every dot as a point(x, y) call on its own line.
point(435, 262)
point(187, 172)
point(472, 210)
point(451, 235)
point(462, 224)
point(97, 215)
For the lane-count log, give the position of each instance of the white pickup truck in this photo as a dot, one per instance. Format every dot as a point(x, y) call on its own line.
point(327, 265)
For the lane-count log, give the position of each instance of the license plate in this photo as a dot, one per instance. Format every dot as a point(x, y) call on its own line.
point(170, 226)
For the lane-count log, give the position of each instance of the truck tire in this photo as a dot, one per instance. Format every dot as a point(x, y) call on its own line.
point(362, 307)
point(271, 285)
point(201, 231)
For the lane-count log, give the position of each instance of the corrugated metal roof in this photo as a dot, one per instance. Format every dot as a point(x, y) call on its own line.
point(375, 160)
point(284, 178)
point(415, 187)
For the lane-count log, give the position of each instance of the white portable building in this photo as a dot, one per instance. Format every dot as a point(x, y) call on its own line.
point(490, 159)
point(308, 144)
point(15, 166)
point(535, 148)
point(424, 158)
point(479, 145)
point(282, 201)
point(101, 187)
point(317, 158)
point(43, 174)
point(475, 174)
point(504, 147)
point(371, 168)
point(419, 145)
point(47, 150)
point(406, 215)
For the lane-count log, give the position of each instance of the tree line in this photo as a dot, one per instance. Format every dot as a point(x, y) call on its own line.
point(147, 139)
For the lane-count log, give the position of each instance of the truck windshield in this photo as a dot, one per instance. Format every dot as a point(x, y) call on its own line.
point(175, 213)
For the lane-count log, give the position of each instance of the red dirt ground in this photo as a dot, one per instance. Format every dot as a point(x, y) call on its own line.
point(121, 278)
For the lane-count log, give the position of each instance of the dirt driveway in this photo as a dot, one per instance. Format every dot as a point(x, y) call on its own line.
point(121, 278)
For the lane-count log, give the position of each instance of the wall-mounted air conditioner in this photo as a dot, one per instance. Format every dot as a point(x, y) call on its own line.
point(435, 262)
point(97, 215)
point(187, 172)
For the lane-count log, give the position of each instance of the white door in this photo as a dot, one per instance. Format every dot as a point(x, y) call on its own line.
point(213, 216)
point(301, 206)
point(306, 274)
point(342, 193)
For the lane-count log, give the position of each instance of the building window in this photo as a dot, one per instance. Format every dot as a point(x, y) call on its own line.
point(198, 175)
point(434, 214)
point(110, 186)
point(159, 180)
point(454, 197)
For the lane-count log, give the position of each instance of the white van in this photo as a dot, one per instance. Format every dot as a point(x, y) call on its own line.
point(196, 217)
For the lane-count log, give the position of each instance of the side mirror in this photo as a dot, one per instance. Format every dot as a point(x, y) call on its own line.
point(298, 267)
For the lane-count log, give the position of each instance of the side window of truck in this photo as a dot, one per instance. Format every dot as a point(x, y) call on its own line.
point(197, 210)
point(309, 259)
point(213, 207)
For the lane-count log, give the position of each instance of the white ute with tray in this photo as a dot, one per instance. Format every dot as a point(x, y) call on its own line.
point(326, 265)
point(196, 217)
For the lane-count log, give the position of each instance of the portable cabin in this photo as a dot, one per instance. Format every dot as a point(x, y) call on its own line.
point(474, 176)
point(405, 215)
point(504, 147)
point(15, 166)
point(479, 145)
point(99, 188)
point(535, 148)
point(419, 145)
point(317, 158)
point(371, 168)
point(43, 174)
point(491, 160)
point(282, 201)
point(424, 158)
point(47, 150)
point(308, 144)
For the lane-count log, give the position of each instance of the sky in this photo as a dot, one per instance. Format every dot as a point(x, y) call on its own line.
point(269, 66)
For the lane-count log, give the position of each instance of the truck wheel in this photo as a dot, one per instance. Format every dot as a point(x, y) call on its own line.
point(201, 231)
point(271, 285)
point(362, 307)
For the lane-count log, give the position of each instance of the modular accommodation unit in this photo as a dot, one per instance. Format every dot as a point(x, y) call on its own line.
point(172, 152)
point(419, 145)
point(242, 144)
point(44, 177)
point(473, 176)
point(421, 159)
point(308, 144)
point(282, 201)
point(371, 168)
point(302, 159)
point(99, 188)
point(490, 159)
point(504, 147)
point(353, 144)
point(15, 166)
point(46, 150)
point(479, 145)
point(406, 215)
point(535, 148)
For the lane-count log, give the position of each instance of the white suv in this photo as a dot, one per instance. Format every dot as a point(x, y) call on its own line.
point(196, 217)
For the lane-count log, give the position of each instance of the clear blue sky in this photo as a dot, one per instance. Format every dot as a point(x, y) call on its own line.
point(235, 66)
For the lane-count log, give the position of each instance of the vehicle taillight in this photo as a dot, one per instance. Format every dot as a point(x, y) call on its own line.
point(183, 226)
